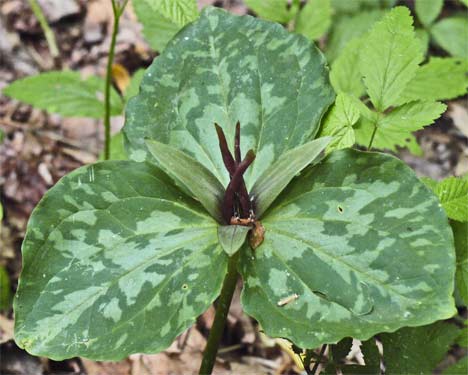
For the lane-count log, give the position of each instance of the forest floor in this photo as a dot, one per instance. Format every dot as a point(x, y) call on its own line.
point(39, 148)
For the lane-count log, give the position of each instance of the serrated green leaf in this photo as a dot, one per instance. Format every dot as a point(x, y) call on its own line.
point(134, 86)
point(453, 195)
point(417, 350)
point(273, 181)
point(115, 261)
point(314, 19)
point(424, 38)
point(390, 57)
point(346, 28)
point(394, 128)
point(190, 175)
point(273, 10)
point(459, 368)
point(427, 11)
point(345, 75)
point(354, 6)
point(439, 79)
point(460, 233)
point(359, 239)
point(232, 237)
point(339, 123)
point(452, 35)
point(225, 68)
point(162, 19)
point(65, 93)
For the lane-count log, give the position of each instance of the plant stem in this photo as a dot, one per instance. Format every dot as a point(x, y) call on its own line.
point(48, 33)
point(307, 360)
point(117, 10)
point(374, 131)
point(222, 309)
point(319, 359)
point(372, 138)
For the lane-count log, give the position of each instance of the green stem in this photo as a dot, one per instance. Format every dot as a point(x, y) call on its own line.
point(376, 122)
point(117, 10)
point(372, 138)
point(319, 359)
point(48, 33)
point(307, 361)
point(222, 309)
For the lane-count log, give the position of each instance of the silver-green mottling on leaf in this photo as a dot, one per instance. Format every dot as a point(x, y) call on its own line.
point(115, 261)
point(225, 68)
point(364, 245)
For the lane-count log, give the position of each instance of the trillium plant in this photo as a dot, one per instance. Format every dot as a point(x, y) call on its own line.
point(227, 180)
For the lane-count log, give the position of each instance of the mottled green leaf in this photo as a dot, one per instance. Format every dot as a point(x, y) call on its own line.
point(453, 195)
point(340, 121)
point(273, 10)
point(162, 19)
point(394, 128)
point(460, 233)
point(273, 181)
point(65, 93)
point(115, 261)
point(314, 19)
point(428, 10)
point(439, 79)
point(225, 68)
point(452, 35)
point(364, 245)
point(346, 28)
point(134, 86)
point(190, 175)
point(390, 57)
point(345, 73)
point(417, 350)
point(232, 237)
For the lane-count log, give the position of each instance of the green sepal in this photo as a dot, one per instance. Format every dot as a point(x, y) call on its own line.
point(232, 237)
point(273, 181)
point(190, 175)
